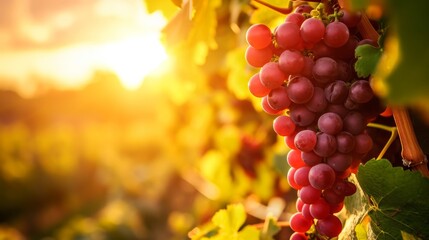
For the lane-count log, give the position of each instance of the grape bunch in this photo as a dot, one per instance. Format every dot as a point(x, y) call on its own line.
point(307, 79)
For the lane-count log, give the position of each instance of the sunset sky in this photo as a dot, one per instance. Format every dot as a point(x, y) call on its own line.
point(65, 40)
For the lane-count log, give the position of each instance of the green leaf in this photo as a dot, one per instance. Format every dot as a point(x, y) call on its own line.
point(230, 219)
point(367, 59)
point(399, 200)
point(407, 82)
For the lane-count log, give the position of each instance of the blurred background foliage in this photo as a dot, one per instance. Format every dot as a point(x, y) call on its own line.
point(103, 162)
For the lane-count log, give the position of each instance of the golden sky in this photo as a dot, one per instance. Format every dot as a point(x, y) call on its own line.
point(65, 40)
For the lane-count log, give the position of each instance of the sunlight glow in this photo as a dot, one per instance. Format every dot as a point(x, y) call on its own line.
point(133, 53)
point(132, 58)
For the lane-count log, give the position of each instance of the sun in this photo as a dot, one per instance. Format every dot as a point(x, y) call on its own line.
point(133, 58)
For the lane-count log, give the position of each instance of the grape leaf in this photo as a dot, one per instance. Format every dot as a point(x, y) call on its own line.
point(202, 35)
point(367, 59)
point(398, 200)
point(231, 218)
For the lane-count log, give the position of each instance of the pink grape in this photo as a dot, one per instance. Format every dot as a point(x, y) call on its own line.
point(256, 88)
point(283, 125)
point(288, 35)
point(258, 36)
point(291, 62)
point(305, 140)
point(330, 226)
point(271, 76)
point(321, 176)
point(258, 57)
point(336, 34)
point(312, 30)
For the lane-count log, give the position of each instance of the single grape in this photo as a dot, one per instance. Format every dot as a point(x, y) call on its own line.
point(330, 226)
point(312, 30)
point(325, 70)
point(271, 76)
point(320, 209)
point(301, 116)
point(301, 176)
point(288, 35)
point(309, 194)
point(296, 18)
point(294, 159)
point(326, 144)
point(299, 223)
point(256, 88)
point(321, 176)
point(364, 143)
point(361, 91)
point(345, 142)
point(330, 123)
point(298, 236)
point(339, 161)
point(283, 125)
point(258, 36)
point(354, 122)
point(300, 89)
point(305, 140)
point(267, 108)
point(336, 34)
point(336, 92)
point(278, 98)
point(291, 62)
point(311, 158)
point(258, 57)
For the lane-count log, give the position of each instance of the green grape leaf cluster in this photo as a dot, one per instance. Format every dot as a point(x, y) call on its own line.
point(398, 200)
point(367, 59)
